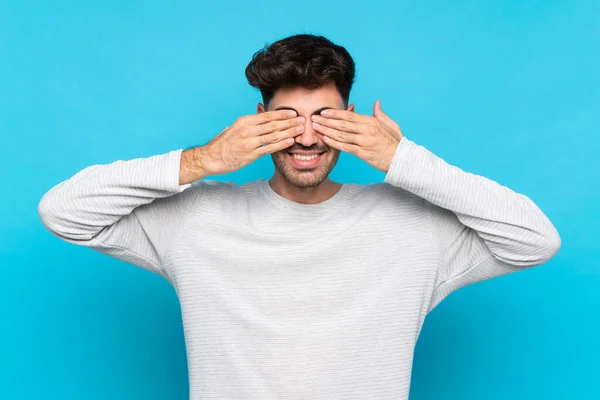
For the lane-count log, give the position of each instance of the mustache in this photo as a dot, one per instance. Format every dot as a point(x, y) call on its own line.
point(307, 149)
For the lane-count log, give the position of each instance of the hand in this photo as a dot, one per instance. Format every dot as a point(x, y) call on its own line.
point(250, 137)
point(373, 139)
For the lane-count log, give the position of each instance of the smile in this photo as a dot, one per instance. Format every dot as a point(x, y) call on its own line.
point(305, 161)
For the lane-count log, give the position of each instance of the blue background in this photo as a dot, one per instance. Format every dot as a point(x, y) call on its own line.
point(504, 89)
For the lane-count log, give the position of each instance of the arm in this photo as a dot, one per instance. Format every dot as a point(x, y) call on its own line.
point(125, 209)
point(482, 229)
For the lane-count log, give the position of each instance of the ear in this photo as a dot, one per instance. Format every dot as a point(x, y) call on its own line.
point(350, 107)
point(260, 108)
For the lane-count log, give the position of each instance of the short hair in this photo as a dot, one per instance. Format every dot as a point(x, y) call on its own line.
point(302, 60)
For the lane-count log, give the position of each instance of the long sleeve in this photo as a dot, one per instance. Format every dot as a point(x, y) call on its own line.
point(482, 229)
point(125, 209)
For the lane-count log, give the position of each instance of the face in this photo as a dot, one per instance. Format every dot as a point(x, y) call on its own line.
point(296, 164)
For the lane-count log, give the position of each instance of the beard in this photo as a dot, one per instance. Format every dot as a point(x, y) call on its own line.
point(304, 178)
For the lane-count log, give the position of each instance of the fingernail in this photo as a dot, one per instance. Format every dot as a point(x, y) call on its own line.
point(300, 120)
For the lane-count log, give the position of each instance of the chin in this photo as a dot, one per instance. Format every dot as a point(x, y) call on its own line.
point(304, 177)
point(304, 181)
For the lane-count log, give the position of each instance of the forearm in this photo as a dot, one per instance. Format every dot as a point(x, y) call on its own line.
point(512, 226)
point(191, 166)
point(100, 195)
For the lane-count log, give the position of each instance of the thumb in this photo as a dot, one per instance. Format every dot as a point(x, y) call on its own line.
point(384, 119)
point(378, 112)
point(380, 115)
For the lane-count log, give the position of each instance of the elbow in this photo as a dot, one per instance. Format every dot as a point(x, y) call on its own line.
point(550, 245)
point(62, 222)
point(52, 218)
point(532, 252)
point(554, 245)
point(46, 212)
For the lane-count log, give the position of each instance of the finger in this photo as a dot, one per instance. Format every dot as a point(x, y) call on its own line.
point(344, 126)
point(346, 137)
point(278, 125)
point(346, 147)
point(277, 136)
point(267, 116)
point(274, 147)
point(350, 116)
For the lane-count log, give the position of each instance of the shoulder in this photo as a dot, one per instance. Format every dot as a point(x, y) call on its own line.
point(222, 195)
point(388, 192)
point(213, 187)
point(390, 200)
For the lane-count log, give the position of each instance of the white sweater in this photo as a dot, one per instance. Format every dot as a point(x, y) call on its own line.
point(289, 301)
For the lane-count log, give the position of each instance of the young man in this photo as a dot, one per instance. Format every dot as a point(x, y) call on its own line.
point(300, 287)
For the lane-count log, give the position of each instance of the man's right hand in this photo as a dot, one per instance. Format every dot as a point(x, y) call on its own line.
point(250, 137)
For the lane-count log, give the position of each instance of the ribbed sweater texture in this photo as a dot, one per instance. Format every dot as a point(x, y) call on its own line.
point(291, 301)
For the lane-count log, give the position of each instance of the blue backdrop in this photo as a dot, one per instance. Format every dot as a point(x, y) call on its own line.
point(505, 89)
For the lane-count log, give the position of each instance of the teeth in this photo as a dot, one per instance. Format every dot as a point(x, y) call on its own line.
point(305, 158)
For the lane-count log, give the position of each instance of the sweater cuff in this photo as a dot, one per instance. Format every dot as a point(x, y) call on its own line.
point(409, 168)
point(170, 171)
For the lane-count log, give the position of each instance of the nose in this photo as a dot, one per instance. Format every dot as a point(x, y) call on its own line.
point(309, 136)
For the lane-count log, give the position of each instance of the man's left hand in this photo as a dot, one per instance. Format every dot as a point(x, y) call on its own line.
point(372, 139)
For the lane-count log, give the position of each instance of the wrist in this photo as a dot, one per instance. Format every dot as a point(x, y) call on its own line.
point(192, 167)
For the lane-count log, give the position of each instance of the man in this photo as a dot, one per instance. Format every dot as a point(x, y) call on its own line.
point(300, 287)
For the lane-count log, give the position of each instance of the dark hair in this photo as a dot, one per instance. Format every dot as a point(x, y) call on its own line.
point(301, 60)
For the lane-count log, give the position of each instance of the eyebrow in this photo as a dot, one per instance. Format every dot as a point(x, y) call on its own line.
point(290, 108)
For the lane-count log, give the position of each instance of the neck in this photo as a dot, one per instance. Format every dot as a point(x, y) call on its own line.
point(309, 195)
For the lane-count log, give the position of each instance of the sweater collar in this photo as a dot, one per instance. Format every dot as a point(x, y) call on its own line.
point(334, 202)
